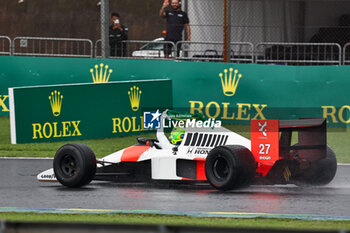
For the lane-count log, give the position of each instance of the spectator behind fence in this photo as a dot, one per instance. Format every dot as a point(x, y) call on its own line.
point(176, 21)
point(117, 34)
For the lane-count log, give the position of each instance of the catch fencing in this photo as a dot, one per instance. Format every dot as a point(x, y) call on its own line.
point(288, 21)
point(53, 47)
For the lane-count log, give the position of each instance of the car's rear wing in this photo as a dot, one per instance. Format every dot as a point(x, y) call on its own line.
point(271, 140)
point(312, 138)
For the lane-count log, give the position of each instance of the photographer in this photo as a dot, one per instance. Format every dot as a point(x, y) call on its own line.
point(117, 34)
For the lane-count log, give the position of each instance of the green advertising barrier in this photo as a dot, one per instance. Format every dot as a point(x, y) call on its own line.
point(231, 92)
point(83, 111)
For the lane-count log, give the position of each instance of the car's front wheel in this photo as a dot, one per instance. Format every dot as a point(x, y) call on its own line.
point(74, 165)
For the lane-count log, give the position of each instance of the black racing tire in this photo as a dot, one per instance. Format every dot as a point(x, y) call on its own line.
point(320, 172)
point(230, 167)
point(74, 165)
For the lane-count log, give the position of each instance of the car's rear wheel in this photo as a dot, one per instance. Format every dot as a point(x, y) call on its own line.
point(320, 172)
point(74, 165)
point(230, 167)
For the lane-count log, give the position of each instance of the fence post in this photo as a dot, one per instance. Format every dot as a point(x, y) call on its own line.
point(227, 30)
point(105, 28)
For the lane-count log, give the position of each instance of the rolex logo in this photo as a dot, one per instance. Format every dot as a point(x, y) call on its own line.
point(101, 75)
point(134, 96)
point(56, 102)
point(230, 82)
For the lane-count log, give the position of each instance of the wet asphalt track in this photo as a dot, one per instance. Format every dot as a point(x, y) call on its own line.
point(19, 188)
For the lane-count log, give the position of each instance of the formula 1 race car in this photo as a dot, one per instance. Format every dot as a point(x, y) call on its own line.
point(211, 154)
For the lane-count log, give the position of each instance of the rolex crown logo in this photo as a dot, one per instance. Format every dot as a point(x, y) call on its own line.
point(230, 82)
point(134, 96)
point(56, 102)
point(101, 75)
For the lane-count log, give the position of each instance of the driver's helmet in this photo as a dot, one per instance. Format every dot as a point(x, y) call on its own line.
point(177, 135)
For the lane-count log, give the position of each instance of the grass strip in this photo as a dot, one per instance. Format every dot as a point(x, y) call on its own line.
point(258, 223)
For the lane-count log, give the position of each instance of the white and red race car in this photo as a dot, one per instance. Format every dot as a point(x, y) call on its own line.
point(216, 155)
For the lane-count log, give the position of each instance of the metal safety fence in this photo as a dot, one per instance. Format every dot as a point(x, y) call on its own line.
point(200, 51)
point(241, 52)
point(298, 53)
point(55, 47)
point(5, 45)
point(149, 49)
point(346, 54)
point(98, 49)
point(139, 49)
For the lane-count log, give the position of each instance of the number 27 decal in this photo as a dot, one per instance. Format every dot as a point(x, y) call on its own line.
point(264, 149)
